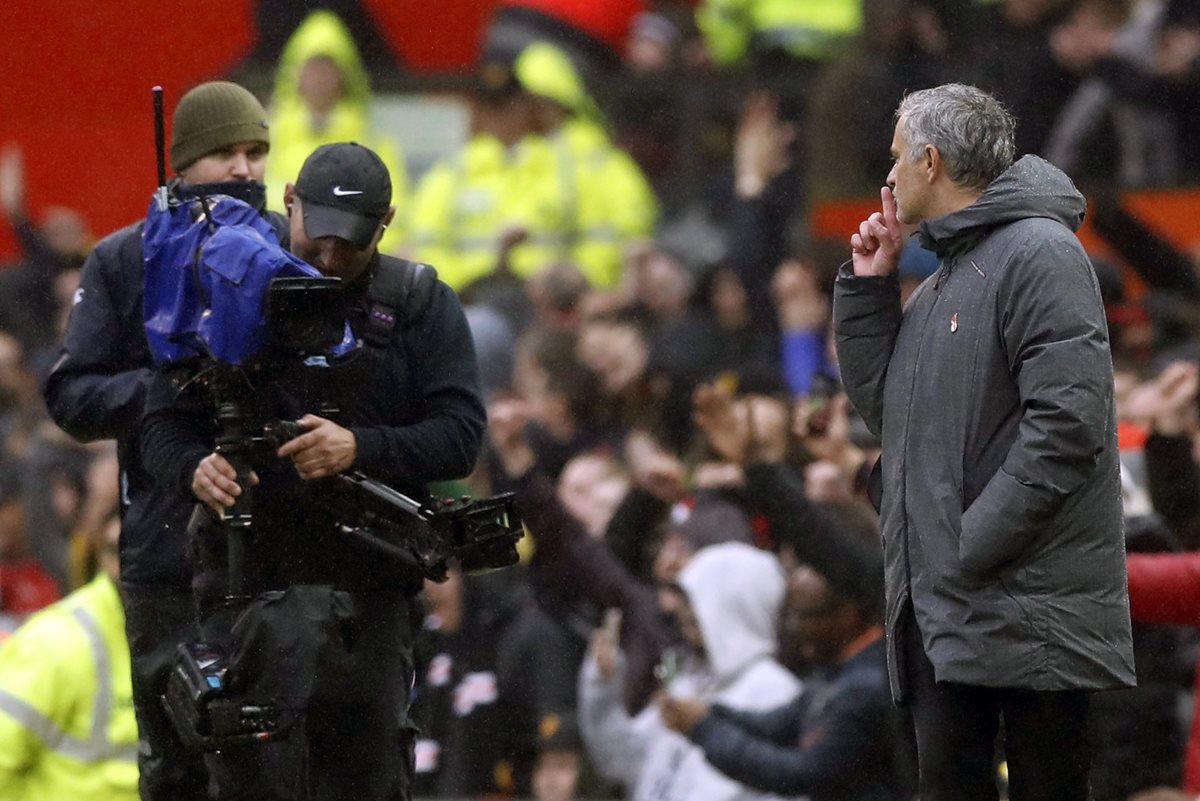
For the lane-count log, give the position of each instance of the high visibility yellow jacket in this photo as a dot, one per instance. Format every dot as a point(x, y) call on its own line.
point(609, 202)
point(580, 198)
point(293, 133)
point(464, 204)
point(67, 728)
point(804, 28)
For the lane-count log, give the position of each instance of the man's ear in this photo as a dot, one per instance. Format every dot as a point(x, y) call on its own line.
point(289, 196)
point(387, 218)
point(931, 163)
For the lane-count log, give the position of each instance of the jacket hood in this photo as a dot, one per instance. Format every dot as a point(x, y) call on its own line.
point(1031, 187)
point(736, 592)
point(322, 33)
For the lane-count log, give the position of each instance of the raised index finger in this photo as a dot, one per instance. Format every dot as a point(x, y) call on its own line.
point(889, 210)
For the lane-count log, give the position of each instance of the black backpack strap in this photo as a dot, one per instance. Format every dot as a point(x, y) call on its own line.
point(399, 291)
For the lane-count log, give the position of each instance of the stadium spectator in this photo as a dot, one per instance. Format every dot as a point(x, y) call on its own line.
point(322, 95)
point(730, 597)
point(31, 306)
point(843, 718)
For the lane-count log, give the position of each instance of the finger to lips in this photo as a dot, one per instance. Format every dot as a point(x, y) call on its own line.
point(889, 207)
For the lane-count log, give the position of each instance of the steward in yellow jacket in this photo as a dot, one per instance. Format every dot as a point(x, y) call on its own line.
point(529, 200)
point(607, 202)
point(494, 205)
point(467, 207)
point(67, 729)
point(322, 94)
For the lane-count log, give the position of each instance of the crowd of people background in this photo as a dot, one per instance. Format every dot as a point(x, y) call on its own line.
point(698, 611)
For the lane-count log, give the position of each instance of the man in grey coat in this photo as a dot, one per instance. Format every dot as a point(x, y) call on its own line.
point(992, 391)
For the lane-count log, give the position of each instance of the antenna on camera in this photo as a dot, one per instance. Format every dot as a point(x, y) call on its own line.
point(160, 146)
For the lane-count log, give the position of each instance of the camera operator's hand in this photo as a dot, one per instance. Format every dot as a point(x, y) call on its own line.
point(325, 449)
point(215, 483)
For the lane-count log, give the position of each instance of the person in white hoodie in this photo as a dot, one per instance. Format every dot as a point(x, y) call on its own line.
point(732, 595)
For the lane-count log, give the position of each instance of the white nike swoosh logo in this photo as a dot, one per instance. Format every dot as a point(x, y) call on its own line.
point(337, 190)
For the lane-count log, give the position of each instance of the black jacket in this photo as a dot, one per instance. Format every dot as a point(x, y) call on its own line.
point(469, 740)
point(416, 411)
point(834, 741)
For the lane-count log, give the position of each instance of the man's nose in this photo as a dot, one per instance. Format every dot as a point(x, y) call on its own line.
point(333, 253)
point(239, 167)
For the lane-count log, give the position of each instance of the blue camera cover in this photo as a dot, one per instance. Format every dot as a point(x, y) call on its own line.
point(207, 276)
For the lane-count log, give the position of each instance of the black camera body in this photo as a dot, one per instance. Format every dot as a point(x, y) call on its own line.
point(206, 714)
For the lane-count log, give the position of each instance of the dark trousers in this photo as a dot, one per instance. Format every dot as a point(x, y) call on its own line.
point(352, 741)
point(157, 620)
point(1045, 736)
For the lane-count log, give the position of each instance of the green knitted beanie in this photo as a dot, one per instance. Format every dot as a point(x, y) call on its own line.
point(213, 116)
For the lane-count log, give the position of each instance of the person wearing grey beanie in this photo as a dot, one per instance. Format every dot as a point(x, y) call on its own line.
point(96, 390)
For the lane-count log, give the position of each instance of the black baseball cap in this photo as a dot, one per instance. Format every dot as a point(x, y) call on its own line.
point(346, 192)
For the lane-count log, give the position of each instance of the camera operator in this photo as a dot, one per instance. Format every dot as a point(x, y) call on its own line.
point(411, 412)
point(97, 388)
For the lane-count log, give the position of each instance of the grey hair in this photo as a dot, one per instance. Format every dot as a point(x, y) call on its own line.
point(972, 131)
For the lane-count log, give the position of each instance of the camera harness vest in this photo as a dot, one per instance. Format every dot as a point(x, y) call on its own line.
point(398, 291)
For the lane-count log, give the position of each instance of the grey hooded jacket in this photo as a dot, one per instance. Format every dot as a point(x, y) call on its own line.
point(992, 392)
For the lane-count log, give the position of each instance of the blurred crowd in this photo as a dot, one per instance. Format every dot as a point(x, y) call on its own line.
point(696, 614)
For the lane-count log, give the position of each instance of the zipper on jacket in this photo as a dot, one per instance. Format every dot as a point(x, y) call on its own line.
point(941, 273)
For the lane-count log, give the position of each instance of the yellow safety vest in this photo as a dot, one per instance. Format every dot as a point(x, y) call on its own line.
point(609, 203)
point(67, 728)
point(580, 198)
point(606, 202)
point(463, 206)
